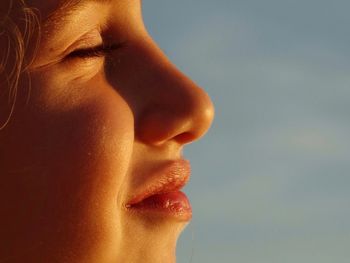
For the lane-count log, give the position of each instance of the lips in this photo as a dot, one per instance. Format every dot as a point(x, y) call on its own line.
point(162, 196)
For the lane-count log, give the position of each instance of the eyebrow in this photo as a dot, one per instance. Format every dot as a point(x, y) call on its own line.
point(66, 8)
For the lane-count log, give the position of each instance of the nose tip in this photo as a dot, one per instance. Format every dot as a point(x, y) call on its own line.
point(197, 117)
point(181, 111)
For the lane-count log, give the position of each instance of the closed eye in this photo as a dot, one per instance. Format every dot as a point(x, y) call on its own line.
point(97, 51)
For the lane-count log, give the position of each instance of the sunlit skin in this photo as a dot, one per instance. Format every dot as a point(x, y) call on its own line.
point(93, 127)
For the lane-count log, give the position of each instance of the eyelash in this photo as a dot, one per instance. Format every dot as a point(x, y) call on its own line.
point(98, 51)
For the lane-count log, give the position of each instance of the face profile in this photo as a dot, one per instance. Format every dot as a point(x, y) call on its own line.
point(91, 157)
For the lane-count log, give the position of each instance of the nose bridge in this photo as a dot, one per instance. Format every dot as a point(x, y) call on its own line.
point(177, 109)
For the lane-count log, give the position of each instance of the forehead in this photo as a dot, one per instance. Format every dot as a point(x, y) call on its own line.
point(53, 11)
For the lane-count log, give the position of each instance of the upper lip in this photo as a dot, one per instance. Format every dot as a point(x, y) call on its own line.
point(170, 177)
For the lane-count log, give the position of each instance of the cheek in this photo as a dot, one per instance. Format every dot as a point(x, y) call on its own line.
point(91, 145)
point(83, 129)
point(78, 160)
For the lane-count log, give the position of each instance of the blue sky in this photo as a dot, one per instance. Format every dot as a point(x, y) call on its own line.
point(271, 180)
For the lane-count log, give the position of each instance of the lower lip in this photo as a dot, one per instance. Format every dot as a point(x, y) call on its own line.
point(173, 204)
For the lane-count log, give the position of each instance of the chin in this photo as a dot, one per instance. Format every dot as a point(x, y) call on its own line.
point(148, 239)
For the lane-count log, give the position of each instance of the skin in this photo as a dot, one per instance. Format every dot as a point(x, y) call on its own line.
point(84, 144)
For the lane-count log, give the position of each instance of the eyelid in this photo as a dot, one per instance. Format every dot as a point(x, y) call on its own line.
point(94, 51)
point(92, 38)
point(85, 51)
point(86, 41)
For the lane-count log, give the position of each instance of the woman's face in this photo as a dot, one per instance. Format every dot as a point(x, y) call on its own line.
point(101, 127)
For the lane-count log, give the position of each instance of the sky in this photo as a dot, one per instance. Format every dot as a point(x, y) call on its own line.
point(270, 181)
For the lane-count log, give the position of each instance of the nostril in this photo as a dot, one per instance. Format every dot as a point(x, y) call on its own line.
point(185, 137)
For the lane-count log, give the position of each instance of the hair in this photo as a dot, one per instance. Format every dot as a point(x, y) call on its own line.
point(19, 27)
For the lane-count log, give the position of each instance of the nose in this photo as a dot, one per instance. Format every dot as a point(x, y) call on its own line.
point(173, 107)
